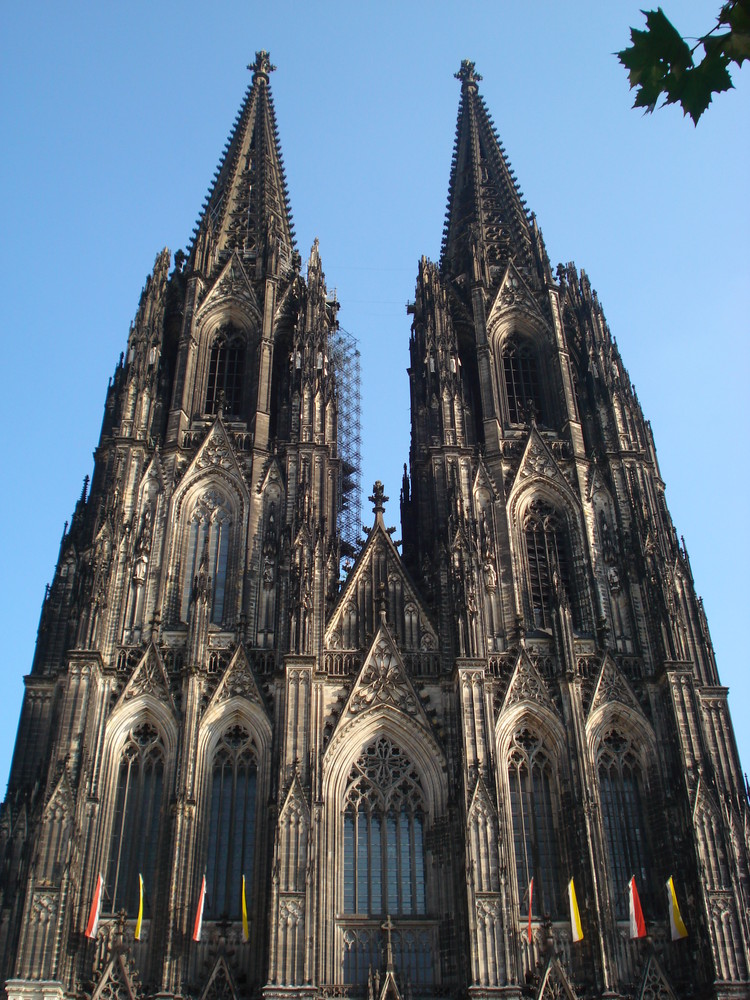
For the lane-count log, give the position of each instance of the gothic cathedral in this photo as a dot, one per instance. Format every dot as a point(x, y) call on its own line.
point(473, 768)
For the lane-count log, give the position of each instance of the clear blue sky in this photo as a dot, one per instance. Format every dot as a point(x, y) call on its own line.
point(113, 117)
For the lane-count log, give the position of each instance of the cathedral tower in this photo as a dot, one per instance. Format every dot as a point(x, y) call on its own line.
point(290, 784)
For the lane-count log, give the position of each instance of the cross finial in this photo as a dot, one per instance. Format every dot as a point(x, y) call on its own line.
point(388, 927)
point(378, 498)
point(467, 73)
point(262, 66)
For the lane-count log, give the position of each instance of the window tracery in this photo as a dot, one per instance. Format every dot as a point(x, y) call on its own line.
point(207, 552)
point(231, 836)
point(384, 868)
point(522, 384)
point(134, 843)
point(226, 371)
point(533, 807)
point(549, 564)
point(621, 790)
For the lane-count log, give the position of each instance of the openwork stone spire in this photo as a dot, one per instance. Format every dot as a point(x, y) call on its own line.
point(486, 220)
point(247, 208)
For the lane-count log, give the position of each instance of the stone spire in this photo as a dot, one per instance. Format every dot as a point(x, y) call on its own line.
point(486, 222)
point(247, 208)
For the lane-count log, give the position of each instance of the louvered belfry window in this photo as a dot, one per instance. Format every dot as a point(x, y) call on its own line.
point(134, 844)
point(522, 386)
point(226, 372)
point(548, 553)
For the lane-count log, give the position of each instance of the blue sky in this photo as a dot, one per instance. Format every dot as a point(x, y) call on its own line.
point(113, 118)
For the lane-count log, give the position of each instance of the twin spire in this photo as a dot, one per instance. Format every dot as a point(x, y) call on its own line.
point(247, 208)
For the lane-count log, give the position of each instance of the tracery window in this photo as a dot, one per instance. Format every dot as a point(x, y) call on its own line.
point(533, 807)
point(231, 836)
point(226, 371)
point(522, 386)
point(384, 869)
point(207, 552)
point(134, 843)
point(621, 790)
point(548, 556)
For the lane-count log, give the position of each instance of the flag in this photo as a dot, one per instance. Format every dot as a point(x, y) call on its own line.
point(139, 921)
point(637, 923)
point(96, 908)
point(245, 927)
point(575, 916)
point(679, 930)
point(199, 912)
point(531, 896)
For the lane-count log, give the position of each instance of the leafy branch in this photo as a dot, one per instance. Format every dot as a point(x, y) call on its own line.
point(660, 62)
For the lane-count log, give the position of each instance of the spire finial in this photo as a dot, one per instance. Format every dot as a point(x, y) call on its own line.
point(378, 498)
point(467, 73)
point(261, 67)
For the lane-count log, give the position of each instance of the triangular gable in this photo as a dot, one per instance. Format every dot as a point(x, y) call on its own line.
point(238, 681)
point(149, 677)
point(273, 476)
point(216, 452)
point(220, 984)
point(118, 980)
point(483, 480)
point(154, 470)
point(654, 985)
point(481, 801)
point(389, 990)
point(538, 462)
point(527, 685)
point(514, 294)
point(612, 685)
point(296, 800)
point(379, 540)
point(61, 797)
point(383, 680)
point(555, 984)
point(232, 283)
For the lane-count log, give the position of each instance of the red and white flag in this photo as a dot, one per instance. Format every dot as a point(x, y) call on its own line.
point(637, 923)
point(92, 925)
point(531, 896)
point(199, 912)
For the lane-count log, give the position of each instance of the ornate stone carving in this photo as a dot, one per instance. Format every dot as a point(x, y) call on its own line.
point(383, 681)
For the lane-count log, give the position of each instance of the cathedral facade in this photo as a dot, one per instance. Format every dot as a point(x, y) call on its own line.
point(241, 771)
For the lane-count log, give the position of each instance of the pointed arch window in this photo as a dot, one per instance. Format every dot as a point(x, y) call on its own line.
point(207, 553)
point(533, 808)
point(549, 561)
point(384, 870)
point(134, 844)
point(522, 383)
point(226, 372)
point(231, 835)
point(621, 790)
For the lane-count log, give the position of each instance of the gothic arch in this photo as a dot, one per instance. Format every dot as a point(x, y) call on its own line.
point(537, 500)
point(142, 725)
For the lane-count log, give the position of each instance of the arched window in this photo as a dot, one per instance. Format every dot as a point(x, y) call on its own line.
point(384, 835)
point(207, 551)
point(522, 386)
point(231, 837)
point(134, 844)
point(226, 372)
point(549, 563)
point(621, 790)
point(533, 806)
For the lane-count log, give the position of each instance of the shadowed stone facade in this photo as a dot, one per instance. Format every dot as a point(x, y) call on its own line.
point(527, 692)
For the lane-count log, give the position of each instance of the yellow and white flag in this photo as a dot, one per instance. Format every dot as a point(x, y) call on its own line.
point(139, 921)
point(679, 930)
point(575, 916)
point(245, 926)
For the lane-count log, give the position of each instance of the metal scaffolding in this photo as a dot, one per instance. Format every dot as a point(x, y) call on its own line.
point(344, 354)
